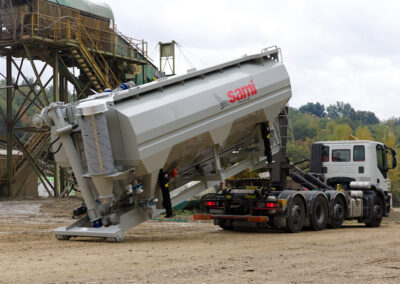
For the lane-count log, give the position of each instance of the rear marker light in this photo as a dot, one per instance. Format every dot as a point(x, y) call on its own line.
point(271, 205)
point(266, 205)
point(211, 203)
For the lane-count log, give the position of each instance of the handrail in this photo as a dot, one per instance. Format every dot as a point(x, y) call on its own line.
point(59, 28)
point(92, 61)
point(102, 58)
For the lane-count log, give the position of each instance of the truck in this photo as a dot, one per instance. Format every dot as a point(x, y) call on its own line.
point(138, 151)
point(346, 180)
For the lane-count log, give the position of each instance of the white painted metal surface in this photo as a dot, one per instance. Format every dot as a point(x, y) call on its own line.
point(173, 121)
point(183, 124)
point(370, 173)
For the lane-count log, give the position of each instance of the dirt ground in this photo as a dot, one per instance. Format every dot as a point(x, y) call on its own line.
point(178, 252)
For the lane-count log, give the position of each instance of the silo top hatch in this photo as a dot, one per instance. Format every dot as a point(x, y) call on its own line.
point(99, 9)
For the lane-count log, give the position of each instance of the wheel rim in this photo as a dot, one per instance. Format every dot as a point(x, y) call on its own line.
point(377, 211)
point(338, 211)
point(296, 214)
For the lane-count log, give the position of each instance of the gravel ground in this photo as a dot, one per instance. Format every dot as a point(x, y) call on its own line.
point(192, 252)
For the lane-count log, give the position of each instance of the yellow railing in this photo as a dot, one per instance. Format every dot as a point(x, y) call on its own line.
point(96, 58)
point(17, 26)
point(96, 39)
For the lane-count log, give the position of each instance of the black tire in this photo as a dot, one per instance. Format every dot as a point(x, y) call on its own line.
point(376, 214)
point(319, 213)
point(224, 224)
point(296, 215)
point(338, 213)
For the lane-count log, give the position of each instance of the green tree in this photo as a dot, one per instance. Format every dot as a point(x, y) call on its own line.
point(316, 109)
point(304, 126)
point(366, 117)
point(298, 151)
point(341, 132)
point(363, 133)
point(340, 109)
point(378, 131)
point(389, 139)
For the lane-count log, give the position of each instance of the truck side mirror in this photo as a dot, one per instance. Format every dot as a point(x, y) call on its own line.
point(394, 159)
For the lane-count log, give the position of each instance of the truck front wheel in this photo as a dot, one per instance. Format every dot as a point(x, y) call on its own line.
point(338, 212)
point(296, 215)
point(376, 214)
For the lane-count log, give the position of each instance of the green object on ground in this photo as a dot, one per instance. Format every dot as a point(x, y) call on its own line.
point(181, 205)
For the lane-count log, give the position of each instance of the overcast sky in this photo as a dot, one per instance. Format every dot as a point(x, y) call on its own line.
point(334, 50)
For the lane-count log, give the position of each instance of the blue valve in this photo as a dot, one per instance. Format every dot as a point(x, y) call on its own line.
point(97, 223)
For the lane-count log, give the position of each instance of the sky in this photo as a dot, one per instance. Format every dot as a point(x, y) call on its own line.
point(333, 50)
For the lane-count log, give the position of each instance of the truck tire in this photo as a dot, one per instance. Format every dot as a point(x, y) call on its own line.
point(296, 215)
point(319, 213)
point(376, 214)
point(224, 224)
point(338, 213)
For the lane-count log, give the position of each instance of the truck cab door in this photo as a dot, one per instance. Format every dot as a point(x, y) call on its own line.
point(382, 180)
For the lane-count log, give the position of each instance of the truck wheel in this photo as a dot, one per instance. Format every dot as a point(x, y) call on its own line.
point(296, 215)
point(338, 213)
point(319, 213)
point(377, 213)
point(224, 224)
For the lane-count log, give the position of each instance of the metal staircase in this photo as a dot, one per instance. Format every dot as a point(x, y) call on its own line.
point(86, 69)
point(92, 62)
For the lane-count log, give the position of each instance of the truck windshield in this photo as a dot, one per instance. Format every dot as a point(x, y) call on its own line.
point(359, 153)
point(341, 155)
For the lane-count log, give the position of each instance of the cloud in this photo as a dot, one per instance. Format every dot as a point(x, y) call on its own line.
point(334, 50)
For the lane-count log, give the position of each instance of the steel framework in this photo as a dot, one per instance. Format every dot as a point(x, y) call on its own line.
point(50, 47)
point(167, 57)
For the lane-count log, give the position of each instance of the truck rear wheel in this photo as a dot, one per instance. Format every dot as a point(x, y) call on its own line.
point(377, 213)
point(338, 212)
point(319, 213)
point(296, 215)
point(224, 224)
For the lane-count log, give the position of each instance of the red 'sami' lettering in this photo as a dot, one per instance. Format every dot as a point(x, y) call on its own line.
point(243, 92)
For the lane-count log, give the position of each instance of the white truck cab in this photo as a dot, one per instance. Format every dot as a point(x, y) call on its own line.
point(353, 160)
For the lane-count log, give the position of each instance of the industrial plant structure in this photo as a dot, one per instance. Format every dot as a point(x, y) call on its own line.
point(72, 49)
